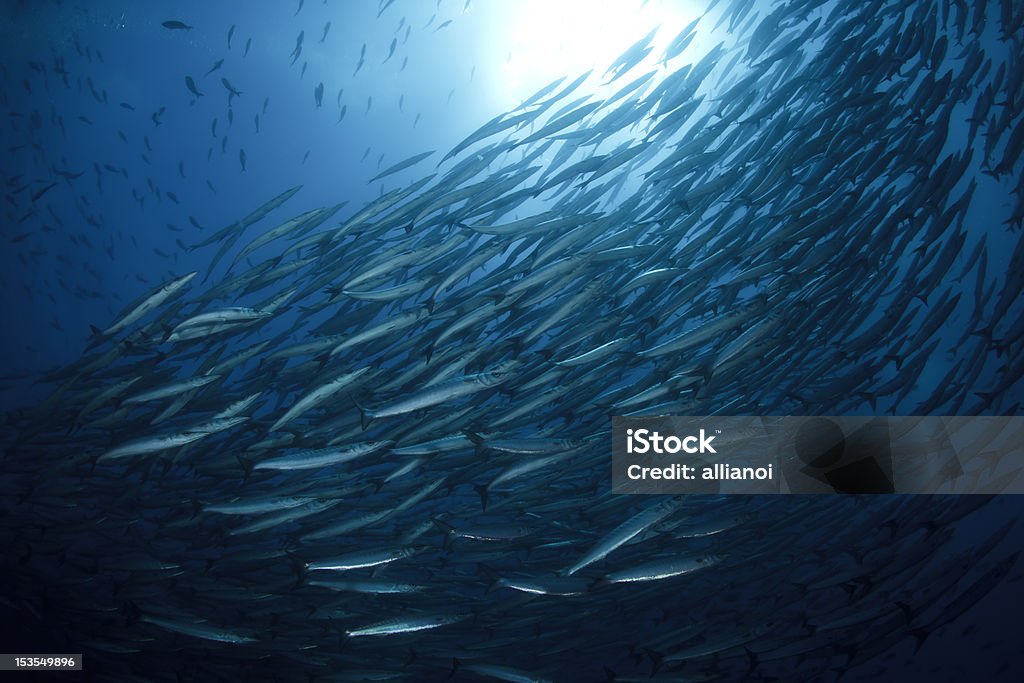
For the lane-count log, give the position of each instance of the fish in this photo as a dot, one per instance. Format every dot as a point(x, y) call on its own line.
point(361, 61)
point(232, 92)
point(402, 165)
point(297, 50)
point(498, 672)
point(362, 559)
point(315, 459)
point(624, 533)
point(198, 630)
point(469, 384)
point(38, 194)
point(404, 625)
point(191, 85)
point(148, 304)
point(154, 444)
point(661, 569)
point(174, 24)
point(172, 389)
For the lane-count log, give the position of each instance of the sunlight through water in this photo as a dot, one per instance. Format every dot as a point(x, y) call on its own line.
point(548, 39)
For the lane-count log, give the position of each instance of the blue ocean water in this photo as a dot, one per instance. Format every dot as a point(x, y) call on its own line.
point(116, 171)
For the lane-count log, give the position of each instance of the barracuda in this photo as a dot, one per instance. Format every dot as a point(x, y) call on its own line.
point(320, 457)
point(442, 393)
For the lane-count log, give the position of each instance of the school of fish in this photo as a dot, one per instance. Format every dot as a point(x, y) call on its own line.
point(371, 442)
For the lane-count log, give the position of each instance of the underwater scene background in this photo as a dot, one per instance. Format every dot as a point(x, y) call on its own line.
point(315, 315)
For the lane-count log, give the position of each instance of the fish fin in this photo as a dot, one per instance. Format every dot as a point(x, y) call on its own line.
point(483, 491)
point(652, 323)
point(986, 395)
point(985, 332)
point(546, 354)
point(455, 667)
point(920, 635)
point(657, 659)
point(131, 611)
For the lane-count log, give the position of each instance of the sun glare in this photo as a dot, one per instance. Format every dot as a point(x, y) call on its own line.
point(548, 39)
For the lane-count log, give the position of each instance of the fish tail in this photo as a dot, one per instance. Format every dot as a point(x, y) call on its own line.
point(442, 525)
point(478, 441)
point(869, 397)
point(754, 661)
point(247, 466)
point(908, 612)
point(364, 420)
point(657, 660)
point(705, 371)
point(301, 569)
